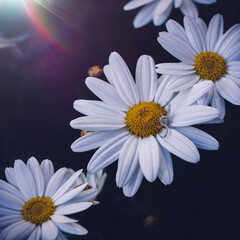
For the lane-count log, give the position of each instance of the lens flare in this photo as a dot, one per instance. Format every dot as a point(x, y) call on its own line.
point(68, 11)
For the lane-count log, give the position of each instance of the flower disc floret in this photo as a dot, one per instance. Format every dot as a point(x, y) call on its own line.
point(210, 66)
point(38, 210)
point(143, 119)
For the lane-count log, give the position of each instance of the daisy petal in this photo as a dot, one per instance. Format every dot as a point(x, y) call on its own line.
point(233, 54)
point(107, 72)
point(188, 8)
point(199, 138)
point(165, 173)
point(233, 79)
point(175, 68)
point(72, 228)
point(10, 176)
point(202, 28)
point(91, 107)
point(9, 188)
point(234, 69)
point(214, 32)
point(215, 121)
point(36, 171)
point(180, 146)
point(36, 234)
point(228, 90)
point(107, 153)
point(206, 98)
point(205, 1)
point(97, 123)
point(128, 161)
point(191, 95)
point(84, 196)
point(177, 3)
point(231, 31)
point(66, 186)
point(149, 158)
point(6, 211)
point(24, 179)
point(62, 219)
point(133, 185)
point(70, 194)
point(191, 115)
point(94, 140)
point(163, 96)
point(182, 82)
point(162, 12)
point(56, 181)
point(176, 29)
point(232, 40)
point(177, 47)
point(106, 92)
point(19, 230)
point(145, 15)
point(194, 35)
point(47, 170)
point(5, 221)
point(146, 78)
point(135, 4)
point(49, 230)
point(218, 103)
point(61, 236)
point(123, 80)
point(72, 208)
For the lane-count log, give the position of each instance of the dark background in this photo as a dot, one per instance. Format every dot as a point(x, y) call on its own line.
point(37, 90)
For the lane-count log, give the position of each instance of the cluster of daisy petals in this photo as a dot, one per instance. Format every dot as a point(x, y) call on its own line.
point(138, 122)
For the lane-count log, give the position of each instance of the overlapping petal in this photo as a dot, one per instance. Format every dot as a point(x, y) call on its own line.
point(180, 146)
point(146, 78)
point(149, 158)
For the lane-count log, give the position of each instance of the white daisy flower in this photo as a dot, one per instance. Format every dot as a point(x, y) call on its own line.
point(159, 10)
point(35, 200)
point(206, 53)
point(95, 180)
point(134, 123)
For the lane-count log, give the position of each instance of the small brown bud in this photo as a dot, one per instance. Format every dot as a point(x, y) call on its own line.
point(95, 71)
point(150, 222)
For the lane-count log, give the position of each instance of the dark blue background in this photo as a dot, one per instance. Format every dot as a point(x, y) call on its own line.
point(36, 97)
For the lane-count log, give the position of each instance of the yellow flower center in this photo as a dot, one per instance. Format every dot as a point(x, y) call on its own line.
point(38, 210)
point(210, 66)
point(143, 119)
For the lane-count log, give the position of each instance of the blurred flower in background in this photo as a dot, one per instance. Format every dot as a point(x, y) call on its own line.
point(35, 200)
point(159, 10)
point(95, 180)
point(141, 123)
point(206, 53)
point(150, 222)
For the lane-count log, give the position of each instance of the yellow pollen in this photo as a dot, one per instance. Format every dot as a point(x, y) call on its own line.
point(38, 210)
point(143, 119)
point(210, 66)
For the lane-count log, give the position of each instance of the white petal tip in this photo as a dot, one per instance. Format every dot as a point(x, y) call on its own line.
point(91, 169)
